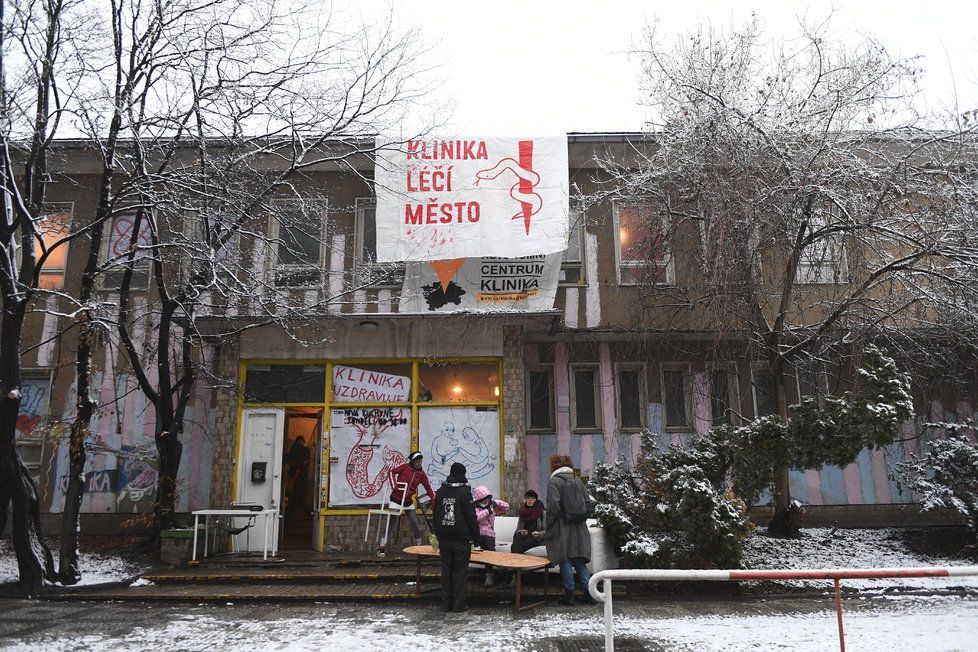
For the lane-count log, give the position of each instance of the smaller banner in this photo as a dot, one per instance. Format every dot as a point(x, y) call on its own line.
point(482, 284)
point(354, 385)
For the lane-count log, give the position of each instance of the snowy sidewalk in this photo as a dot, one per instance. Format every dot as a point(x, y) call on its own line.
point(936, 624)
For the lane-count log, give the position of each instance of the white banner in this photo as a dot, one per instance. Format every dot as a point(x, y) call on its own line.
point(354, 385)
point(469, 435)
point(487, 284)
point(364, 445)
point(467, 198)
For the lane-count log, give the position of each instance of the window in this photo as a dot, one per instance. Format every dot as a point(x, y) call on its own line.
point(630, 391)
point(822, 261)
point(540, 398)
point(370, 271)
point(643, 257)
point(676, 391)
point(297, 231)
point(35, 390)
point(585, 385)
point(812, 379)
point(764, 403)
point(723, 393)
point(571, 267)
point(54, 226)
point(117, 256)
point(285, 383)
point(213, 226)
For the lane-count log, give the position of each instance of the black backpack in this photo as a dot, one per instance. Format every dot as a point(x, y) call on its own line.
point(573, 504)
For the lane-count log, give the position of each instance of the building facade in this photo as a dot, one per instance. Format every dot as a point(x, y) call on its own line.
point(499, 392)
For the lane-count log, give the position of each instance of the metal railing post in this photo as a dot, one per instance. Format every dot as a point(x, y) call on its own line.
point(609, 622)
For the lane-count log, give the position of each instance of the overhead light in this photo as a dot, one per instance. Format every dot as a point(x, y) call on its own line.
point(495, 390)
point(369, 326)
point(457, 389)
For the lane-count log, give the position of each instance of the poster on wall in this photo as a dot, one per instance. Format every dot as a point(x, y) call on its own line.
point(482, 284)
point(469, 435)
point(472, 197)
point(364, 445)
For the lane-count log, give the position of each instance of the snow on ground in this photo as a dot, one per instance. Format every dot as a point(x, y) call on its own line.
point(96, 568)
point(937, 625)
point(831, 548)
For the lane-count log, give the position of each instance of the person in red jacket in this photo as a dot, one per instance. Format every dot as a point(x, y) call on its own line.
point(411, 475)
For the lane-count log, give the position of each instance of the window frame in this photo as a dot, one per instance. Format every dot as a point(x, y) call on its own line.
point(390, 275)
point(535, 368)
point(321, 207)
point(576, 224)
point(733, 388)
point(643, 393)
point(668, 259)
point(821, 378)
point(755, 368)
point(828, 271)
point(574, 368)
point(56, 208)
point(35, 440)
point(687, 369)
point(106, 247)
point(232, 249)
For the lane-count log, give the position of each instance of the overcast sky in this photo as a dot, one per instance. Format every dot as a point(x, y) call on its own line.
point(525, 67)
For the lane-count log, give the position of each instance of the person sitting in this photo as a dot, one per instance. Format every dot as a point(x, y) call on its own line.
point(486, 510)
point(530, 524)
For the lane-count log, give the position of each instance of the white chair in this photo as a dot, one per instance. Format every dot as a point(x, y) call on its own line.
point(387, 510)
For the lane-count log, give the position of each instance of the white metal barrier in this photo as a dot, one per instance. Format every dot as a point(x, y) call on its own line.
point(607, 577)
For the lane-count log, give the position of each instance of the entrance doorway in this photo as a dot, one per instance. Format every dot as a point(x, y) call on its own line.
point(300, 504)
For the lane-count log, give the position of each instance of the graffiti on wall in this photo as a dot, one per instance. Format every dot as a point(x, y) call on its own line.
point(121, 464)
point(33, 405)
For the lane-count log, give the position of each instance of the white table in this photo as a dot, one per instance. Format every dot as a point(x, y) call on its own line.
point(237, 512)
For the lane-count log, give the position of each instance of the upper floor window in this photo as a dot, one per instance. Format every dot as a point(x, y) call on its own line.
point(540, 397)
point(642, 249)
point(764, 401)
point(676, 394)
point(630, 391)
point(812, 379)
point(121, 245)
point(585, 388)
point(297, 233)
point(824, 260)
point(371, 272)
point(52, 227)
point(571, 267)
point(724, 397)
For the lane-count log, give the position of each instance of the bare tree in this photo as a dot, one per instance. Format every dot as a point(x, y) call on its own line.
point(200, 114)
point(226, 108)
point(803, 200)
point(42, 46)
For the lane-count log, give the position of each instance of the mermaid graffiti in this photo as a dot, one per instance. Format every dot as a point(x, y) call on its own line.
point(358, 462)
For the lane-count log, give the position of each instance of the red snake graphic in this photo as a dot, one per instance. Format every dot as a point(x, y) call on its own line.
point(527, 179)
point(359, 460)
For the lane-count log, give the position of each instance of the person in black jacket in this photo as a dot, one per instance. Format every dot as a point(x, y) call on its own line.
point(456, 527)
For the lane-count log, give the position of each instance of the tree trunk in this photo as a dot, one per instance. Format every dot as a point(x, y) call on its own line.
point(786, 521)
point(170, 451)
point(34, 559)
point(69, 571)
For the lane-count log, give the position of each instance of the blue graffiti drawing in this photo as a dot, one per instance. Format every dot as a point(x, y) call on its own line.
point(32, 405)
point(467, 447)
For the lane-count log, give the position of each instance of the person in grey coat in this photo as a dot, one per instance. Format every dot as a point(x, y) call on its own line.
point(568, 544)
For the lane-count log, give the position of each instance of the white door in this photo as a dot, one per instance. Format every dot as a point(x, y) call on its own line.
point(260, 470)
